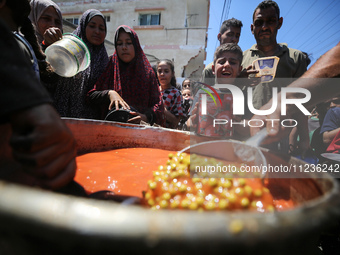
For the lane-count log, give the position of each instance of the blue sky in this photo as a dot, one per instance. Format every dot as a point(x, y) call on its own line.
point(308, 25)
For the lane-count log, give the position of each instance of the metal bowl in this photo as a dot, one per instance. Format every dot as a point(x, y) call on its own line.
point(35, 221)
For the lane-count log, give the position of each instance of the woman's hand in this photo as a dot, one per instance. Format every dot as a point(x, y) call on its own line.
point(116, 100)
point(52, 35)
point(138, 117)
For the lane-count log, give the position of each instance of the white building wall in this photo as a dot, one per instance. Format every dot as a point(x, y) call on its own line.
point(181, 35)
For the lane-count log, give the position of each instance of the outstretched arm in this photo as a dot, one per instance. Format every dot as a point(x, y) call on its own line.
point(317, 81)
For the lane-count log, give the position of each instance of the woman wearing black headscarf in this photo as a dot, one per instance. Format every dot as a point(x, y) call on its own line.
point(70, 93)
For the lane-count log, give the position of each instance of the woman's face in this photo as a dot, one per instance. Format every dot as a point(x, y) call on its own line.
point(164, 73)
point(48, 19)
point(95, 31)
point(125, 48)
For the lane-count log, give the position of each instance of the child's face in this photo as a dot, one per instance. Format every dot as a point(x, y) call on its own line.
point(186, 84)
point(226, 68)
point(186, 94)
point(125, 48)
point(164, 74)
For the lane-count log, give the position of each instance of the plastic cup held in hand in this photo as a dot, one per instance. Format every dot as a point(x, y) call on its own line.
point(68, 56)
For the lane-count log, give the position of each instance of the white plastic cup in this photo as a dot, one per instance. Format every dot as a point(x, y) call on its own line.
point(68, 56)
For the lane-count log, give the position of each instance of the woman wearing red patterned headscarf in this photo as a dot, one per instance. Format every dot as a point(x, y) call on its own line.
point(129, 82)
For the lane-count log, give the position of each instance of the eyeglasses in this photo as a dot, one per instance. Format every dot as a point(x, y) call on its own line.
point(186, 95)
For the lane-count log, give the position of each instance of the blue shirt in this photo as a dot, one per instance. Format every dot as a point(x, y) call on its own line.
point(331, 121)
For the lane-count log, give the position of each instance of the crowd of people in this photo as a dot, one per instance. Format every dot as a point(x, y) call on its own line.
point(126, 80)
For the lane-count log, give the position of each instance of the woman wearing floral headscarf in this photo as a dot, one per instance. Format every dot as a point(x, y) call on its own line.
point(129, 81)
point(70, 93)
point(47, 20)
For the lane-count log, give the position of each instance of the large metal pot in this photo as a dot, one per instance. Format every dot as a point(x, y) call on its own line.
point(35, 221)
